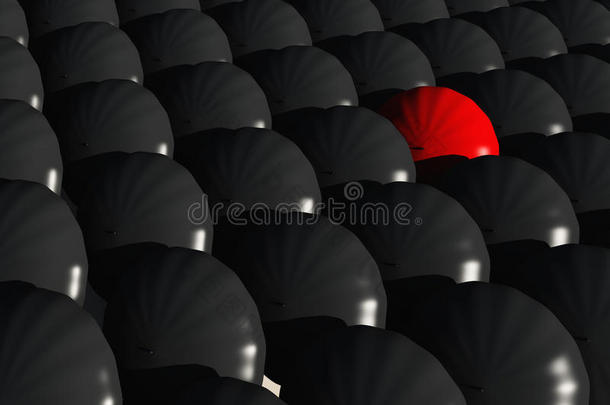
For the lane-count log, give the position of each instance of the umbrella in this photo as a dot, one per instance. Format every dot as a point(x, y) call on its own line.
point(46, 16)
point(520, 32)
point(516, 102)
point(52, 351)
point(454, 46)
point(438, 121)
point(133, 9)
point(582, 80)
point(84, 53)
point(12, 22)
point(254, 25)
point(42, 243)
point(19, 74)
point(298, 77)
point(178, 306)
point(28, 146)
point(572, 281)
point(398, 12)
point(250, 167)
point(109, 116)
point(210, 95)
point(352, 143)
point(178, 37)
point(415, 230)
point(579, 164)
point(499, 345)
point(380, 61)
point(364, 365)
point(331, 18)
point(456, 7)
point(513, 200)
point(297, 265)
point(140, 197)
point(581, 22)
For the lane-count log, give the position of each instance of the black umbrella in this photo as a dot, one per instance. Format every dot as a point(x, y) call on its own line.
point(298, 265)
point(398, 12)
point(110, 116)
point(598, 123)
point(132, 9)
point(456, 7)
point(28, 146)
point(364, 365)
point(250, 167)
point(19, 74)
point(579, 164)
point(582, 80)
point(254, 25)
point(52, 351)
point(581, 22)
point(516, 102)
point(352, 143)
point(513, 200)
point(298, 77)
point(45, 16)
point(520, 32)
point(381, 61)
point(415, 230)
point(331, 18)
point(42, 243)
point(12, 22)
point(88, 52)
point(178, 306)
point(572, 281)
point(500, 346)
point(210, 95)
point(141, 197)
point(178, 37)
point(454, 46)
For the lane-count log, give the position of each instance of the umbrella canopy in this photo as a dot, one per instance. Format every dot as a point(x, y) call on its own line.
point(516, 102)
point(19, 74)
point(12, 22)
point(88, 52)
point(298, 77)
point(28, 146)
point(179, 306)
point(141, 197)
point(352, 143)
point(46, 16)
point(438, 121)
point(581, 22)
point(42, 243)
point(210, 95)
point(572, 281)
point(250, 167)
point(520, 32)
point(419, 231)
point(109, 116)
point(579, 164)
point(381, 61)
point(513, 200)
point(178, 37)
point(331, 18)
point(293, 268)
point(255, 25)
point(364, 365)
point(398, 12)
point(499, 345)
point(456, 7)
point(132, 9)
point(454, 46)
point(48, 343)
